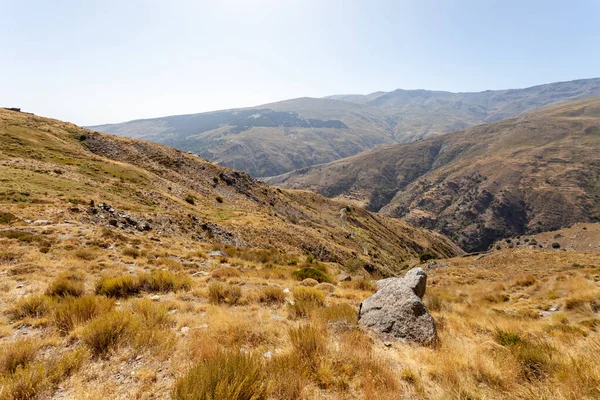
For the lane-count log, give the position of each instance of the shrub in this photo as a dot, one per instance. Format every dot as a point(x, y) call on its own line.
point(17, 354)
point(219, 199)
point(229, 375)
point(86, 254)
point(426, 256)
point(525, 280)
point(222, 293)
point(366, 285)
point(312, 273)
point(32, 306)
point(76, 311)
point(190, 199)
point(339, 313)
point(152, 314)
point(131, 252)
point(119, 287)
point(65, 287)
point(309, 342)
point(556, 245)
point(6, 217)
point(310, 295)
point(507, 338)
point(225, 272)
point(272, 294)
point(25, 383)
point(107, 332)
point(164, 281)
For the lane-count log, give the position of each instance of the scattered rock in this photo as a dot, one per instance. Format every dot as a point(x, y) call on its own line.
point(41, 222)
point(268, 355)
point(435, 265)
point(184, 329)
point(326, 287)
point(309, 282)
point(286, 290)
point(155, 298)
point(343, 277)
point(397, 311)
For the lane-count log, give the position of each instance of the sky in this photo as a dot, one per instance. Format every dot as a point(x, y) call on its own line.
point(93, 62)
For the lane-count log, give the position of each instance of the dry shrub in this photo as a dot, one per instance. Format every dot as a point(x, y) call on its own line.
point(309, 342)
point(164, 281)
point(363, 284)
point(524, 280)
point(307, 294)
point(36, 306)
point(339, 313)
point(25, 383)
point(225, 272)
point(118, 287)
point(75, 311)
point(17, 354)
point(86, 254)
point(271, 294)
point(287, 377)
point(152, 314)
point(128, 285)
point(219, 293)
point(65, 286)
point(107, 332)
point(584, 302)
point(131, 252)
point(229, 375)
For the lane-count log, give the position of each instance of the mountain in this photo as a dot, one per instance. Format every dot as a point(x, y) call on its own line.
point(58, 169)
point(524, 175)
point(276, 138)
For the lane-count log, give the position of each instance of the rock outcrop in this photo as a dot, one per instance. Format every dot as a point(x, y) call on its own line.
point(397, 310)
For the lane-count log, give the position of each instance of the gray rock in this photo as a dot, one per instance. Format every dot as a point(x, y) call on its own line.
point(397, 311)
point(343, 277)
point(416, 279)
point(216, 253)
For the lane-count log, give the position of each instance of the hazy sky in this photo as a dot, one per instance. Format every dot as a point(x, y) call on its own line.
point(92, 62)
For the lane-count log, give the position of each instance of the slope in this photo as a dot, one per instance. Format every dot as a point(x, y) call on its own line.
point(57, 171)
point(517, 176)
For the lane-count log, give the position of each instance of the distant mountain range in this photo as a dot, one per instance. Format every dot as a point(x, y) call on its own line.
point(280, 137)
point(534, 173)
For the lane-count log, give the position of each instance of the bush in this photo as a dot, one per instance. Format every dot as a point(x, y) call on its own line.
point(107, 332)
point(65, 287)
point(152, 314)
point(556, 245)
point(272, 294)
point(219, 199)
point(6, 218)
point(308, 342)
point(131, 252)
point(164, 281)
point(339, 313)
point(76, 311)
point(225, 272)
point(190, 199)
point(32, 306)
point(231, 376)
point(366, 285)
point(507, 338)
point(219, 293)
point(17, 354)
point(310, 295)
point(86, 254)
point(119, 287)
point(312, 273)
point(426, 256)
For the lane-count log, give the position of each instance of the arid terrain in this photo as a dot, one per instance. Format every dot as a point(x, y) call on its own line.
point(520, 176)
point(134, 271)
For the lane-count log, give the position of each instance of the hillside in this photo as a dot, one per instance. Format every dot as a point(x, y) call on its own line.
point(525, 175)
point(58, 169)
point(134, 271)
point(276, 138)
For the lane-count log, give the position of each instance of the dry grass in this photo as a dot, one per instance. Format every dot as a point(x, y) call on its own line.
point(219, 293)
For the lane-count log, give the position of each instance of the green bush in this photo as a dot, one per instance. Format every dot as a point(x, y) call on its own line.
point(312, 273)
point(426, 256)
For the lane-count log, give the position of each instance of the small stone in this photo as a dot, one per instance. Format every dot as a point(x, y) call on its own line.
point(286, 290)
point(185, 329)
point(138, 358)
point(155, 297)
point(268, 355)
point(216, 253)
point(20, 286)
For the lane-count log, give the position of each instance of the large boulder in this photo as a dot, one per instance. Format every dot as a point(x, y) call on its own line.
point(397, 311)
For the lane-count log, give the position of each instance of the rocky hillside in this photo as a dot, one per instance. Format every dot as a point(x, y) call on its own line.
point(67, 174)
point(276, 138)
point(535, 173)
